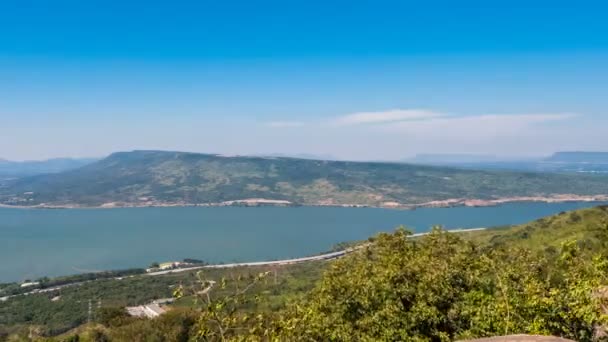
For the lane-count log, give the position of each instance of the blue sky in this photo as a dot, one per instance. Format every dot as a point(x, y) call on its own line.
point(352, 79)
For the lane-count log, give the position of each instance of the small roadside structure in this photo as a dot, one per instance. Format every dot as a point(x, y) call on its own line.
point(30, 284)
point(169, 265)
point(151, 310)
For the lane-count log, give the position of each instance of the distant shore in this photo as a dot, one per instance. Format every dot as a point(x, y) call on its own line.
point(259, 202)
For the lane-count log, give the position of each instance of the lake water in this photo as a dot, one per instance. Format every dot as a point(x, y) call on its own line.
point(35, 243)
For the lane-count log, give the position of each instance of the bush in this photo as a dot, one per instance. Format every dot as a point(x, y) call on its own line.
point(442, 288)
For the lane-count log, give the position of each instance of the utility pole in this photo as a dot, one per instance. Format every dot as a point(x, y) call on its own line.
point(98, 308)
point(90, 311)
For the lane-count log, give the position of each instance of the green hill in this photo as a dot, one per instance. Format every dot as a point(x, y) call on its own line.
point(588, 227)
point(157, 177)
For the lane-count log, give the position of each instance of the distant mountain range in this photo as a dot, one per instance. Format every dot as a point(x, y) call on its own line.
point(452, 158)
point(10, 169)
point(300, 156)
point(579, 157)
point(175, 178)
point(582, 162)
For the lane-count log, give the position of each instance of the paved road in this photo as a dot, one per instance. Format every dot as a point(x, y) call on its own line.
point(50, 289)
point(326, 256)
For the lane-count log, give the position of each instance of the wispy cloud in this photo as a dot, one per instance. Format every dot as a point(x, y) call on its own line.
point(521, 134)
point(487, 124)
point(433, 122)
point(281, 124)
point(393, 115)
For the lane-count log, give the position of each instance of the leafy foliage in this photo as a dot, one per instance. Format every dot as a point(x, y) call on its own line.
point(588, 227)
point(441, 287)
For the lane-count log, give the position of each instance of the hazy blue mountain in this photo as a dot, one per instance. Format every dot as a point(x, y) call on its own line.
point(478, 162)
point(569, 162)
point(579, 157)
point(301, 156)
point(10, 169)
point(444, 159)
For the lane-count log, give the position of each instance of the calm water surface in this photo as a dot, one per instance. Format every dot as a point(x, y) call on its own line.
point(35, 243)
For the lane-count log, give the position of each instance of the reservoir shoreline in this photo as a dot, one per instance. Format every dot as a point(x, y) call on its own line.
point(261, 202)
point(62, 242)
point(314, 258)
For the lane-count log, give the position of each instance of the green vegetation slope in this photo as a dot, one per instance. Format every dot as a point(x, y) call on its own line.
point(155, 177)
point(588, 227)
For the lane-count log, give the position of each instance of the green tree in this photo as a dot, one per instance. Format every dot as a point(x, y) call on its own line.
point(441, 287)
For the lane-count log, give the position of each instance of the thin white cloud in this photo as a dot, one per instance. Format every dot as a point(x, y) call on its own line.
point(496, 134)
point(479, 125)
point(281, 124)
point(394, 115)
point(504, 134)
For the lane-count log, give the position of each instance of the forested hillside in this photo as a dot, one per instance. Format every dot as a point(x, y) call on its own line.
point(157, 178)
